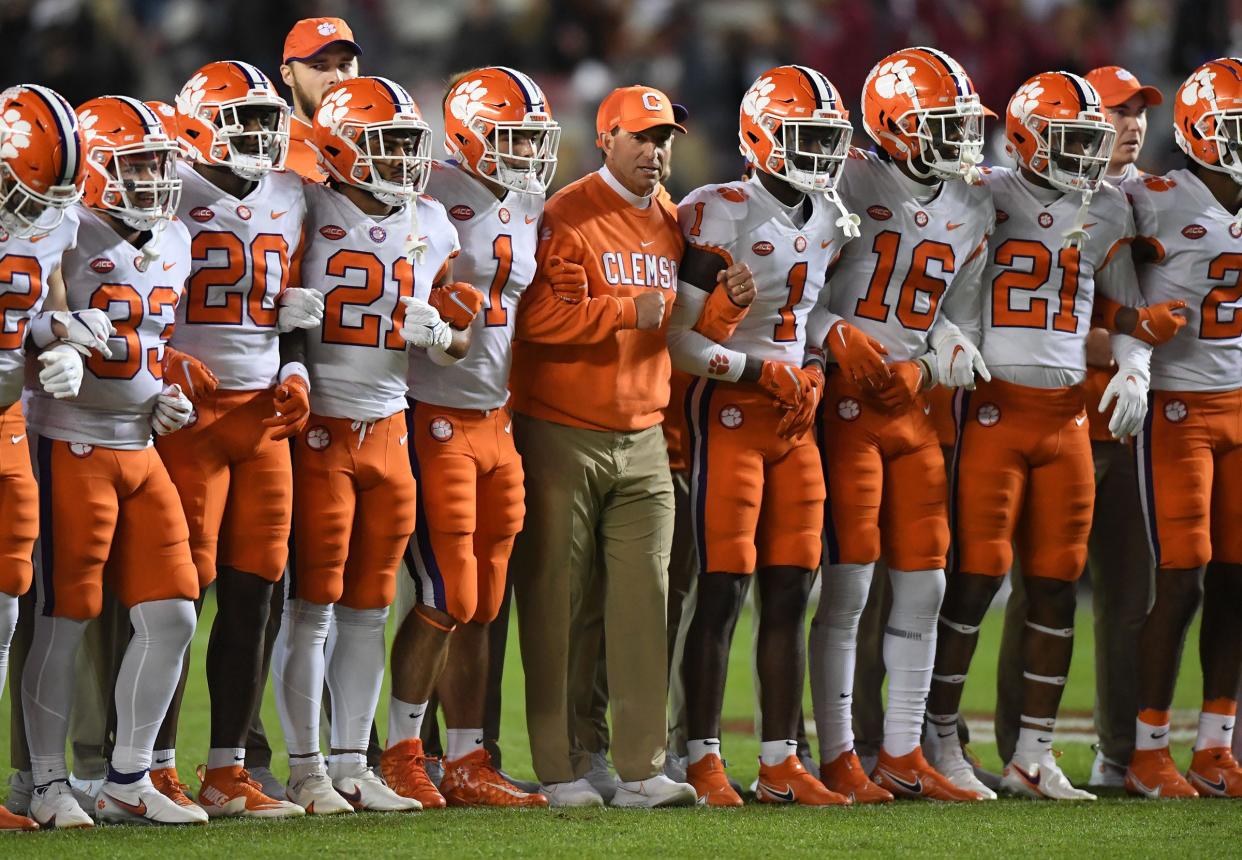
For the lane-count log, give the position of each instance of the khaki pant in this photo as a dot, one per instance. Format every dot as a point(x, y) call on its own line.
point(683, 576)
point(599, 523)
point(1122, 573)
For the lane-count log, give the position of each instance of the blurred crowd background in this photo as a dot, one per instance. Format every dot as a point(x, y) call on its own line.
point(704, 53)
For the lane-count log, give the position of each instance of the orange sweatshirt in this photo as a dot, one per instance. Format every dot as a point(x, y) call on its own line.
point(586, 365)
point(301, 158)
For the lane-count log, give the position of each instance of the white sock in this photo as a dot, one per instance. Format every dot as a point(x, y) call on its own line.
point(8, 623)
point(148, 678)
point(909, 654)
point(218, 757)
point(298, 678)
point(1032, 743)
point(346, 764)
point(405, 720)
point(1149, 737)
point(163, 759)
point(47, 694)
point(463, 742)
point(699, 749)
point(772, 753)
point(832, 653)
point(941, 731)
point(1215, 730)
point(355, 674)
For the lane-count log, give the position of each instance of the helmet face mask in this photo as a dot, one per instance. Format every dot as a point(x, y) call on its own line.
point(1222, 129)
point(251, 136)
point(950, 139)
point(40, 160)
point(809, 153)
point(518, 156)
point(1072, 154)
point(24, 212)
point(393, 158)
point(141, 186)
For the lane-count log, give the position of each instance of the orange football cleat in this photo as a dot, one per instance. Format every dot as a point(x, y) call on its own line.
point(12, 821)
point(167, 783)
point(230, 792)
point(1215, 772)
point(789, 782)
point(472, 781)
point(844, 775)
point(1153, 774)
point(711, 783)
point(404, 767)
point(910, 776)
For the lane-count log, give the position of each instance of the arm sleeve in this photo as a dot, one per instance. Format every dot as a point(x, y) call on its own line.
point(689, 350)
point(543, 318)
point(1118, 281)
point(1131, 354)
point(963, 305)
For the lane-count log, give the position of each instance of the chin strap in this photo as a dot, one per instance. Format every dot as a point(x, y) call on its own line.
point(972, 161)
point(1076, 236)
point(151, 250)
point(415, 246)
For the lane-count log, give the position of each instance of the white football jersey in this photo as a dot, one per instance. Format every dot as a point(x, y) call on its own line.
point(241, 253)
point(1035, 306)
point(357, 358)
point(25, 265)
point(890, 282)
point(498, 239)
point(744, 223)
point(113, 408)
point(1198, 258)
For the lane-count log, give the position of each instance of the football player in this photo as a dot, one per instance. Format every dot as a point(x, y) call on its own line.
point(108, 510)
point(502, 141)
point(1023, 471)
point(755, 473)
point(231, 469)
point(41, 172)
point(923, 230)
point(379, 246)
point(318, 54)
point(1189, 451)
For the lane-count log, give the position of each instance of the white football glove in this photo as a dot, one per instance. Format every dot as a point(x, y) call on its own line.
point(955, 358)
point(299, 308)
point(1129, 388)
point(61, 375)
point(90, 328)
point(172, 410)
point(423, 326)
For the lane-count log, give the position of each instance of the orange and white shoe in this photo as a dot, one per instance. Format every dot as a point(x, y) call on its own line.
point(845, 775)
point(12, 821)
point(229, 792)
point(789, 782)
point(911, 777)
point(1215, 772)
point(404, 768)
point(167, 783)
point(711, 783)
point(472, 781)
point(1153, 774)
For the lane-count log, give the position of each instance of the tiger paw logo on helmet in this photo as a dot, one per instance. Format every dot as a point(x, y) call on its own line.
point(1199, 86)
point(1025, 100)
point(894, 78)
point(14, 133)
point(87, 120)
point(334, 109)
point(192, 95)
point(467, 100)
point(756, 98)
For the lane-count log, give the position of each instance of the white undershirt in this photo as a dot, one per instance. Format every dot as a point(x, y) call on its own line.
point(626, 195)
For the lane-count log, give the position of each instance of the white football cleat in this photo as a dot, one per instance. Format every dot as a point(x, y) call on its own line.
point(564, 795)
point(54, 807)
point(141, 803)
point(86, 790)
point(316, 794)
point(268, 783)
point(365, 790)
point(21, 785)
point(1106, 773)
point(1041, 778)
point(950, 760)
point(654, 792)
point(601, 777)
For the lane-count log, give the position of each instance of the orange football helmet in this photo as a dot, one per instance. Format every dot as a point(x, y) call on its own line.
point(493, 114)
point(1057, 129)
point(168, 116)
point(1207, 116)
point(367, 125)
point(40, 159)
point(230, 114)
point(921, 107)
point(130, 162)
point(793, 125)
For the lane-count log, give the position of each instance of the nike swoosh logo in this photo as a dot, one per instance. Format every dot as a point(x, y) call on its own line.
point(1155, 736)
point(403, 438)
point(478, 740)
point(1216, 787)
point(509, 427)
point(645, 244)
point(530, 220)
point(952, 226)
point(1227, 728)
point(239, 758)
point(39, 238)
point(16, 439)
point(927, 409)
point(948, 734)
point(140, 809)
point(786, 796)
point(354, 797)
point(507, 789)
point(162, 760)
point(845, 695)
point(1033, 780)
point(1147, 328)
point(1080, 420)
point(1044, 740)
point(276, 215)
point(1089, 224)
point(915, 787)
point(825, 244)
point(1150, 792)
point(168, 266)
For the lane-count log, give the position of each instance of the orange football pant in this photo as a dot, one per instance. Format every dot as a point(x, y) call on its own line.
point(236, 485)
point(108, 515)
point(1189, 456)
point(1022, 473)
point(470, 508)
point(758, 499)
point(19, 503)
point(353, 510)
point(885, 477)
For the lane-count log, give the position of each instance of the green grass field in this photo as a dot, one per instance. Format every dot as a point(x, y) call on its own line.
point(1114, 827)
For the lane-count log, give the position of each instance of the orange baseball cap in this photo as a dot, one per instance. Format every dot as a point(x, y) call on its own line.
point(311, 35)
point(636, 109)
point(1117, 86)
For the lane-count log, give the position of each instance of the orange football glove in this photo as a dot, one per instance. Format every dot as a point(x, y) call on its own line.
point(194, 378)
point(567, 279)
point(858, 355)
point(908, 378)
point(787, 384)
point(292, 401)
point(1158, 323)
point(797, 421)
point(720, 315)
point(457, 303)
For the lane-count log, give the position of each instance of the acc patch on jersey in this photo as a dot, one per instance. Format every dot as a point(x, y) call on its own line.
point(988, 414)
point(731, 417)
point(318, 438)
point(1175, 411)
point(441, 429)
